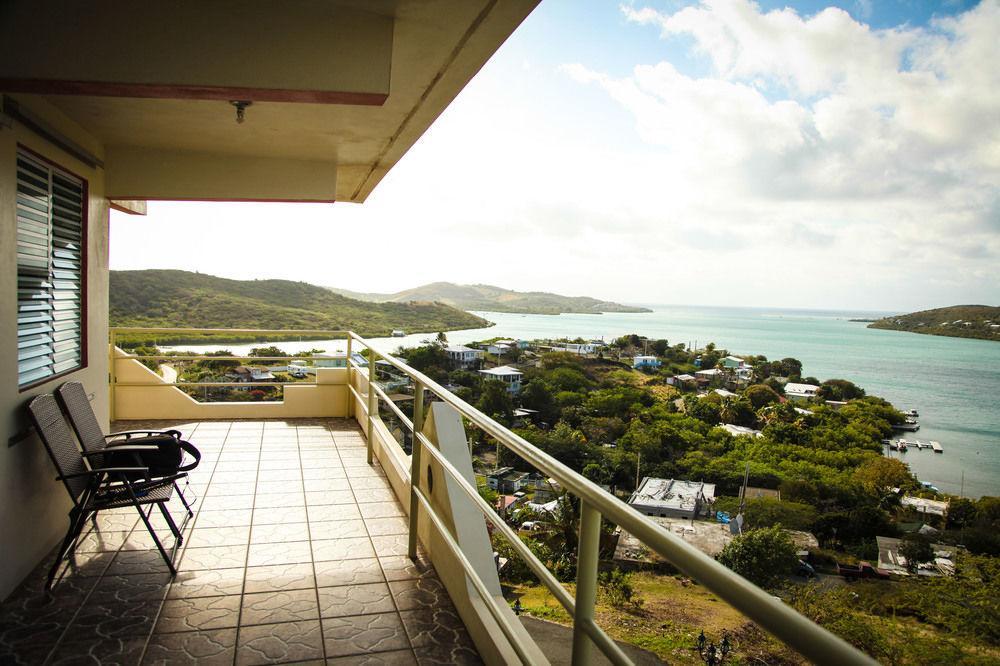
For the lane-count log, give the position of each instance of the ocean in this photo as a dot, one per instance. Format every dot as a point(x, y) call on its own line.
point(954, 383)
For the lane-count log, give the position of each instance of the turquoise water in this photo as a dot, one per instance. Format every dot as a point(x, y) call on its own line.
point(954, 383)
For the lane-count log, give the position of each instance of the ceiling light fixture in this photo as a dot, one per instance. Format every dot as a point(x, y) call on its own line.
point(241, 108)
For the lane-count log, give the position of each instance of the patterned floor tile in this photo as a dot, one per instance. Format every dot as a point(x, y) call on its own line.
point(232, 518)
point(342, 549)
point(426, 592)
point(284, 606)
point(337, 529)
point(364, 634)
point(387, 526)
point(435, 627)
point(206, 583)
point(381, 510)
point(279, 533)
point(355, 600)
point(348, 572)
point(99, 651)
point(394, 658)
point(198, 613)
point(204, 648)
point(279, 643)
point(279, 577)
point(220, 557)
point(286, 515)
point(324, 512)
point(266, 554)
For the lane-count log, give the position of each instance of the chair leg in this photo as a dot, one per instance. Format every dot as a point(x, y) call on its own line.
point(156, 539)
point(184, 501)
point(72, 533)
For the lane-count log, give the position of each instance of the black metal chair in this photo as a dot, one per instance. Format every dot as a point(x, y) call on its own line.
point(73, 398)
point(96, 489)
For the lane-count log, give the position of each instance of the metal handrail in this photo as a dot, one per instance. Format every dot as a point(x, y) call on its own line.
point(794, 629)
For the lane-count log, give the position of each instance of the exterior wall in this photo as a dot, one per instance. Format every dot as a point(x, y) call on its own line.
point(33, 506)
point(327, 398)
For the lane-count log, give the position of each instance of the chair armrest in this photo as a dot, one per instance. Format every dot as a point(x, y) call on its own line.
point(124, 448)
point(103, 470)
point(128, 433)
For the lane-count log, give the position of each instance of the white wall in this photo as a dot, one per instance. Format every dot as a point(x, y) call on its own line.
point(33, 506)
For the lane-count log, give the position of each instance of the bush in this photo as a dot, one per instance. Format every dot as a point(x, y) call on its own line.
point(616, 588)
point(762, 556)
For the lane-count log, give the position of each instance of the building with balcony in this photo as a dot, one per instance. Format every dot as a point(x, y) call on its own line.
point(316, 535)
point(464, 357)
point(511, 377)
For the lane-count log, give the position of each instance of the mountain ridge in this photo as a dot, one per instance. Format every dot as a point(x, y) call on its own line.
point(956, 321)
point(182, 299)
point(485, 297)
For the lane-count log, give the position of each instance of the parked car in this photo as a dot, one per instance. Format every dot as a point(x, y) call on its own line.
point(863, 570)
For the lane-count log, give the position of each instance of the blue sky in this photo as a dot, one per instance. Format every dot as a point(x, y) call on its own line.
point(829, 155)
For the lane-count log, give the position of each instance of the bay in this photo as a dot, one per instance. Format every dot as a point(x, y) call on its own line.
point(953, 382)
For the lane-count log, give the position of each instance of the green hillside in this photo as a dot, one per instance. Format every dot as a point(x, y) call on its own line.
point(495, 299)
point(179, 299)
point(958, 321)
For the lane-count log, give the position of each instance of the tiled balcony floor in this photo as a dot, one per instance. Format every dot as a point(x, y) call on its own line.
point(296, 554)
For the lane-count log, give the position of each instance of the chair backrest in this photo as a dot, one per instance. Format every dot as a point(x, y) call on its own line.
point(58, 440)
point(74, 401)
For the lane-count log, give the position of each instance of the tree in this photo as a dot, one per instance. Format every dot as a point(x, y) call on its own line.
point(762, 556)
point(267, 351)
point(916, 548)
point(880, 475)
point(495, 401)
point(839, 389)
point(761, 395)
point(441, 339)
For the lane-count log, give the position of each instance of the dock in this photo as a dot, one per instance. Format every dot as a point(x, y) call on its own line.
point(937, 447)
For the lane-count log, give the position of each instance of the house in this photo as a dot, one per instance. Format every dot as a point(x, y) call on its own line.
point(704, 377)
point(338, 359)
point(890, 559)
point(464, 357)
point(684, 381)
point(794, 391)
point(720, 392)
point(925, 506)
point(499, 348)
point(251, 374)
point(506, 374)
point(673, 497)
point(756, 493)
point(733, 363)
point(583, 348)
point(398, 333)
point(646, 362)
point(737, 430)
point(506, 480)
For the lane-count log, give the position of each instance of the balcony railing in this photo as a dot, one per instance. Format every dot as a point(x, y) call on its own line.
point(596, 504)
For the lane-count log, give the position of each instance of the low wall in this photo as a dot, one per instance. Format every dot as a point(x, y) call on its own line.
point(155, 400)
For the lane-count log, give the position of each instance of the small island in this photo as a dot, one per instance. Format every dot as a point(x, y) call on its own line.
point(958, 321)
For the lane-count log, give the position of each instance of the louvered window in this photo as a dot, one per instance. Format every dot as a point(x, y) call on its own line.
point(50, 235)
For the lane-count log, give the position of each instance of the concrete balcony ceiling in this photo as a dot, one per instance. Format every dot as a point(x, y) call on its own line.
point(339, 90)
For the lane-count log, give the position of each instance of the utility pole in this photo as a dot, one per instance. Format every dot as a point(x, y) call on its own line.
point(638, 461)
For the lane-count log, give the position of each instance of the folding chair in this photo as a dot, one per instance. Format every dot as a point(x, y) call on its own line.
point(97, 489)
point(76, 404)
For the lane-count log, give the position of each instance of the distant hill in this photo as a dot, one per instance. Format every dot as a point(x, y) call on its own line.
point(495, 299)
point(180, 299)
point(958, 321)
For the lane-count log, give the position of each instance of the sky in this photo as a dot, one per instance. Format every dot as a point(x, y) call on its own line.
point(724, 152)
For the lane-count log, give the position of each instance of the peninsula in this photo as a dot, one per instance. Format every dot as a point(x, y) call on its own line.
point(957, 321)
point(181, 299)
point(495, 299)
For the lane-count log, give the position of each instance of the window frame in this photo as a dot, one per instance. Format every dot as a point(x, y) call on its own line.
point(84, 264)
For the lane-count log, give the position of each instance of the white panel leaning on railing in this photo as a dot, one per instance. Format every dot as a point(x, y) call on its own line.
point(811, 640)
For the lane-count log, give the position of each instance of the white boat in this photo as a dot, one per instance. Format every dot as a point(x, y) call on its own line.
point(937, 447)
point(911, 412)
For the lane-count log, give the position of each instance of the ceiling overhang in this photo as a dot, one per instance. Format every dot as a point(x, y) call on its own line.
point(339, 89)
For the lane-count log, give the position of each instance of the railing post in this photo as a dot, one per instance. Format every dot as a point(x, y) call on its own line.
point(415, 446)
point(372, 403)
point(350, 396)
point(111, 374)
point(586, 581)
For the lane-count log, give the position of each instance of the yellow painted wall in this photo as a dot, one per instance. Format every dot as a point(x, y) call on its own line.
point(33, 506)
point(327, 398)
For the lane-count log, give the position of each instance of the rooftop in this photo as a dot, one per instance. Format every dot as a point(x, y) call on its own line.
point(502, 371)
point(671, 493)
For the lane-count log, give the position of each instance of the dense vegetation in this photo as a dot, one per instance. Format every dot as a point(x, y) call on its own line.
point(180, 299)
point(495, 299)
point(615, 425)
point(959, 321)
